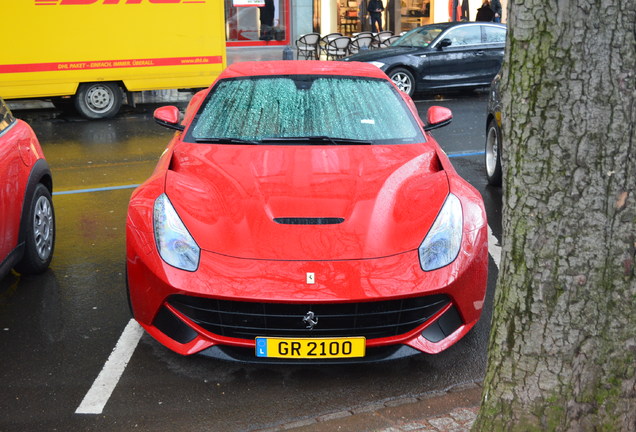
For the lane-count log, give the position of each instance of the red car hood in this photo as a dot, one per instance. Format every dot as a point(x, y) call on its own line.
point(306, 202)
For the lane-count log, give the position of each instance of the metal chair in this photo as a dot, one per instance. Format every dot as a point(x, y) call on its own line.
point(379, 38)
point(389, 41)
point(325, 40)
point(360, 42)
point(307, 46)
point(338, 48)
point(364, 33)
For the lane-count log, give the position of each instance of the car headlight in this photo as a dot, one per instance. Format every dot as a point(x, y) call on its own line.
point(379, 65)
point(174, 243)
point(441, 245)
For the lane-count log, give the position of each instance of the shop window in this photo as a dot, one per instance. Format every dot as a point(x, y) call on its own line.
point(415, 13)
point(348, 17)
point(260, 22)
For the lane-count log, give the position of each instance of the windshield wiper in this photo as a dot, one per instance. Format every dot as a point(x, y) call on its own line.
point(227, 141)
point(316, 139)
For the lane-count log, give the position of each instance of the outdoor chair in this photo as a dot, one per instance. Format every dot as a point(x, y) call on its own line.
point(389, 41)
point(338, 48)
point(360, 42)
point(325, 40)
point(364, 33)
point(307, 46)
point(379, 38)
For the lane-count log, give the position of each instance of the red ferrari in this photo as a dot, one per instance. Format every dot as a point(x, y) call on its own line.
point(27, 221)
point(303, 213)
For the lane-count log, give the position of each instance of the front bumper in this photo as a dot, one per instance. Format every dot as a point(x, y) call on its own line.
point(153, 286)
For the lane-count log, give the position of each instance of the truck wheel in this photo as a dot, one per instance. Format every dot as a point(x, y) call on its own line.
point(98, 100)
point(39, 233)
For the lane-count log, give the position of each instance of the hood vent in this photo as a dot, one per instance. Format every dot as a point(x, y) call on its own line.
point(309, 221)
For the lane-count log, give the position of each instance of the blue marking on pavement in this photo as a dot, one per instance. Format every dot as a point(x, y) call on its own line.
point(102, 189)
point(475, 153)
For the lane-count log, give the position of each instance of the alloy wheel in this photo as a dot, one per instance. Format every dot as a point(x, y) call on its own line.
point(492, 151)
point(43, 227)
point(403, 82)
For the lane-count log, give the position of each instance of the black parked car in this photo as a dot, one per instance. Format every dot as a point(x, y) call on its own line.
point(442, 56)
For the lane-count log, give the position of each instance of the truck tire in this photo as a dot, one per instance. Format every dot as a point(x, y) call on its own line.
point(98, 100)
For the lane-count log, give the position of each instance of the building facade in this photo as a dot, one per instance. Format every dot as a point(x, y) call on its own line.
point(261, 29)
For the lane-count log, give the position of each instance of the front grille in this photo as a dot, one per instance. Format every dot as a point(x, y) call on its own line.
point(247, 320)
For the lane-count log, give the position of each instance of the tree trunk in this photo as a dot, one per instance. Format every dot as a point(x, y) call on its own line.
point(562, 353)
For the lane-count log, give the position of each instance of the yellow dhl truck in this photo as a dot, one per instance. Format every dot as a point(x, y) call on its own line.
point(92, 54)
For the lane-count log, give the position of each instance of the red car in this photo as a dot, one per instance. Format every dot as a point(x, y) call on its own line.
point(303, 213)
point(27, 224)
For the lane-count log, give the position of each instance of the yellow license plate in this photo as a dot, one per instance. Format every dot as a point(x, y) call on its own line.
point(310, 348)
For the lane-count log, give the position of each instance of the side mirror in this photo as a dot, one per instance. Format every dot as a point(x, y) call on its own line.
point(168, 116)
point(437, 117)
point(444, 43)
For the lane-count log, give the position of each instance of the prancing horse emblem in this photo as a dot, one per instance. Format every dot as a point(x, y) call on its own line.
point(311, 320)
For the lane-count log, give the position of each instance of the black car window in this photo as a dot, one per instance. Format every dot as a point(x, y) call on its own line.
point(258, 110)
point(464, 35)
point(494, 34)
point(420, 37)
point(6, 119)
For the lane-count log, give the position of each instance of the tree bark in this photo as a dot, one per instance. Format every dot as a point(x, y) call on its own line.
point(562, 351)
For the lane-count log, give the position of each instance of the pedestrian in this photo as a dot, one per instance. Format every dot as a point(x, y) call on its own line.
point(495, 5)
point(465, 16)
point(267, 20)
point(375, 9)
point(485, 12)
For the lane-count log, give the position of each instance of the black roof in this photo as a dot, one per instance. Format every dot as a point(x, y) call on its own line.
point(446, 25)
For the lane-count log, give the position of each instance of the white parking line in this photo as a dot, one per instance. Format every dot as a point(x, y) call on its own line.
point(103, 386)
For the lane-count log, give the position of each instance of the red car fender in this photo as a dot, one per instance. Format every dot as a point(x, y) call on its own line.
point(28, 144)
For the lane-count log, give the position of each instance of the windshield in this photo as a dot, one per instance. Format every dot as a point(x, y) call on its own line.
point(304, 109)
point(419, 37)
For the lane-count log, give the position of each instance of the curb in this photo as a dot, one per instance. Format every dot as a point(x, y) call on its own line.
point(454, 409)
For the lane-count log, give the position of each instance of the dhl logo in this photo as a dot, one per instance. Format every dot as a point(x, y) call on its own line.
point(110, 2)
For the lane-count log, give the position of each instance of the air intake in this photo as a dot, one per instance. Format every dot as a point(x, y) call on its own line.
point(309, 221)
